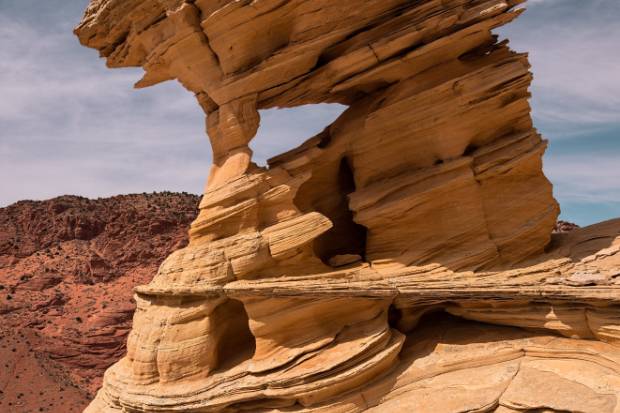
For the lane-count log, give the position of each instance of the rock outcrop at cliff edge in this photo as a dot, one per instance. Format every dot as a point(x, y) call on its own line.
point(402, 259)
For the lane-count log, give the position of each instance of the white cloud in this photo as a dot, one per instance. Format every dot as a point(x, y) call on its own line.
point(70, 125)
point(585, 178)
point(573, 47)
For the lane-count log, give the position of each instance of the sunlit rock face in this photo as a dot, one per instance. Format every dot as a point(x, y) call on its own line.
point(402, 259)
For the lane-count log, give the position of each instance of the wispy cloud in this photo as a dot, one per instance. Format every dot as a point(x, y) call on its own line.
point(285, 129)
point(573, 47)
point(70, 125)
point(586, 178)
point(586, 185)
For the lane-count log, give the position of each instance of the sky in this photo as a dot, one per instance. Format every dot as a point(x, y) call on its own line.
point(69, 125)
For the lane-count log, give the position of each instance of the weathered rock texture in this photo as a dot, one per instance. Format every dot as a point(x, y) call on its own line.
point(67, 269)
point(307, 285)
point(564, 226)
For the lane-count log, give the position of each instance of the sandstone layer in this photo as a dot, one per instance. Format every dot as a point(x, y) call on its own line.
point(67, 270)
point(308, 285)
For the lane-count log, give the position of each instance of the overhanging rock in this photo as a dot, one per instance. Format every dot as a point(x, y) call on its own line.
point(402, 259)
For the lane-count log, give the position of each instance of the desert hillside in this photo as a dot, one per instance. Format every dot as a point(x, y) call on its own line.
point(67, 271)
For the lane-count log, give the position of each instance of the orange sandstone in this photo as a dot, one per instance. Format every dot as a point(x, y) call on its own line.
point(432, 176)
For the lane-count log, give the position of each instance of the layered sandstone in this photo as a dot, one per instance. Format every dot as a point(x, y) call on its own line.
point(308, 285)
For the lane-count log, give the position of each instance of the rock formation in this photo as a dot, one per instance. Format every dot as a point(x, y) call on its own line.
point(340, 277)
point(67, 270)
point(564, 226)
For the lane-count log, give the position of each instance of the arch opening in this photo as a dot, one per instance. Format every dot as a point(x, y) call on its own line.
point(237, 341)
point(283, 129)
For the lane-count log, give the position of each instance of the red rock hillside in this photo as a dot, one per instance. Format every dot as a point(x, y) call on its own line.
point(67, 270)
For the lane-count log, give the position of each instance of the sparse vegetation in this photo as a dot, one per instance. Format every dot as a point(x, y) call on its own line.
point(53, 276)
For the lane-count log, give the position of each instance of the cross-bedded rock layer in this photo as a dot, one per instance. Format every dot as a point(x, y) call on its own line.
point(306, 284)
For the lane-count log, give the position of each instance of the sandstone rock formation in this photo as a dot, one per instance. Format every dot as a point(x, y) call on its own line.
point(339, 278)
point(67, 270)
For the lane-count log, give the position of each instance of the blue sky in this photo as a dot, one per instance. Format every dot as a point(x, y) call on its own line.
point(69, 125)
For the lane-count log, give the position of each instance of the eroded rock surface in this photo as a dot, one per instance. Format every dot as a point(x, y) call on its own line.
point(306, 284)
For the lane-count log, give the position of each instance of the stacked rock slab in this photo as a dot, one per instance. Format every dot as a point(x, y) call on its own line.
point(402, 259)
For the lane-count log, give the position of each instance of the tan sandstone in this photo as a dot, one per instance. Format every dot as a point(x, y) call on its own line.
point(402, 259)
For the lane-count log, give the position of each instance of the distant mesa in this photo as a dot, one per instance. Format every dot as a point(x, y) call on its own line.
point(564, 226)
